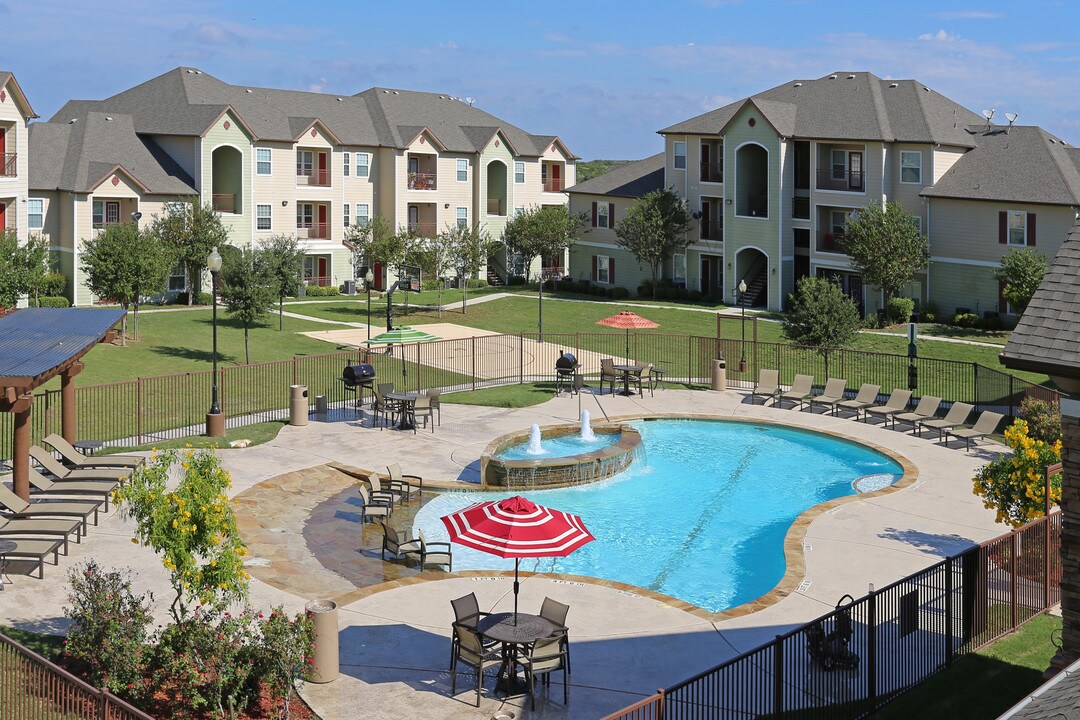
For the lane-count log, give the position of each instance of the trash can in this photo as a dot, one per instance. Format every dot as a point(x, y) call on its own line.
point(321, 406)
point(325, 666)
point(719, 375)
point(298, 406)
point(349, 287)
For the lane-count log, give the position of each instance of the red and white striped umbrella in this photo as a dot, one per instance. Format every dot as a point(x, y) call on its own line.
point(515, 528)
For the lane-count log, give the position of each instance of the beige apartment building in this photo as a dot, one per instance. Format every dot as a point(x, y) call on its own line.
point(772, 180)
point(17, 213)
point(286, 162)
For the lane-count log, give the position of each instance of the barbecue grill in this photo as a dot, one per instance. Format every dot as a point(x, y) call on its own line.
point(566, 368)
point(358, 377)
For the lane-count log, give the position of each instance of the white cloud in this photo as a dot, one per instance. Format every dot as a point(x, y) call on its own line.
point(966, 15)
point(448, 45)
point(209, 33)
point(939, 36)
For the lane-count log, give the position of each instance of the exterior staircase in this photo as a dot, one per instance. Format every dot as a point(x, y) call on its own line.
point(494, 276)
point(756, 290)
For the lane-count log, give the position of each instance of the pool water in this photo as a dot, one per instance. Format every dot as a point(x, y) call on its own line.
point(701, 516)
point(563, 446)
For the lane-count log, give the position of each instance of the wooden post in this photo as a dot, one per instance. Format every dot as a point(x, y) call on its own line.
point(20, 451)
point(68, 418)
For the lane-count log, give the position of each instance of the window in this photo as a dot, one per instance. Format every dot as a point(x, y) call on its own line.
point(519, 172)
point(1017, 227)
point(463, 217)
point(35, 213)
point(838, 222)
point(98, 214)
point(345, 210)
point(678, 268)
point(601, 215)
point(680, 155)
point(304, 162)
point(112, 213)
point(348, 163)
point(363, 214)
point(911, 167)
point(462, 170)
point(603, 271)
point(177, 279)
point(305, 215)
point(519, 210)
point(362, 161)
point(262, 161)
point(839, 164)
point(918, 224)
point(262, 217)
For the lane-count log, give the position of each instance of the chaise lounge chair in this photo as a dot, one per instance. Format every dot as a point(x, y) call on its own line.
point(56, 468)
point(925, 410)
point(76, 459)
point(957, 415)
point(33, 529)
point(35, 550)
point(896, 403)
point(802, 388)
point(831, 395)
point(16, 507)
point(987, 424)
point(866, 397)
point(768, 385)
point(48, 488)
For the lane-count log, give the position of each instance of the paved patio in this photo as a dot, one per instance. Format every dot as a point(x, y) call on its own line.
point(395, 621)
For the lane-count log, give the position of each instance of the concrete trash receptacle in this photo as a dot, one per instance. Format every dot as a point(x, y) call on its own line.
point(325, 666)
point(298, 405)
point(719, 375)
point(321, 406)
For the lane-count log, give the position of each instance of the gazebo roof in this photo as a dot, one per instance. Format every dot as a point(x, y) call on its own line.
point(38, 343)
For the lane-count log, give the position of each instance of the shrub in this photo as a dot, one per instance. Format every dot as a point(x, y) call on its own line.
point(515, 280)
point(287, 648)
point(1043, 418)
point(899, 309)
point(108, 630)
point(966, 320)
point(599, 290)
point(693, 295)
point(476, 283)
point(929, 313)
point(993, 321)
point(203, 298)
point(53, 285)
point(51, 301)
point(322, 291)
point(430, 285)
point(620, 293)
point(872, 321)
point(1014, 485)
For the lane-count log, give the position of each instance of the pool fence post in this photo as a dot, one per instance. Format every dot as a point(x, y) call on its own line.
point(871, 647)
point(521, 358)
point(948, 611)
point(755, 346)
point(778, 676)
point(472, 353)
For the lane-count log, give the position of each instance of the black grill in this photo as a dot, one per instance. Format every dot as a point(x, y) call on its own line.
point(566, 364)
point(362, 374)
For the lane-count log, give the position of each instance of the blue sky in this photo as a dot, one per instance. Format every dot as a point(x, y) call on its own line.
point(603, 75)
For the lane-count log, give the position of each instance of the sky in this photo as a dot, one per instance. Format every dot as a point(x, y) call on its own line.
point(603, 75)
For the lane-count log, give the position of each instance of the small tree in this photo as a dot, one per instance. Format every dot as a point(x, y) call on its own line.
point(190, 231)
point(885, 246)
point(373, 242)
point(654, 229)
point(821, 315)
point(1021, 272)
point(22, 267)
point(543, 231)
point(1015, 485)
point(125, 264)
point(248, 291)
point(284, 269)
point(438, 257)
point(288, 645)
point(471, 248)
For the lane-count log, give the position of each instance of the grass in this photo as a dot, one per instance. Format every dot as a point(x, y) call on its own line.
point(257, 433)
point(48, 646)
point(506, 396)
point(984, 684)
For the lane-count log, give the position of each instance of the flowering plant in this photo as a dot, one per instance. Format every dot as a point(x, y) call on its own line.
point(1015, 485)
point(288, 645)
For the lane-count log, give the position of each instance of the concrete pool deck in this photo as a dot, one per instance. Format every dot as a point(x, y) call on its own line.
point(395, 635)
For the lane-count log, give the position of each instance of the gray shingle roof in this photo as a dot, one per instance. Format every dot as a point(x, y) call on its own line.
point(76, 156)
point(1056, 699)
point(1047, 338)
point(20, 96)
point(849, 106)
point(1026, 164)
point(630, 180)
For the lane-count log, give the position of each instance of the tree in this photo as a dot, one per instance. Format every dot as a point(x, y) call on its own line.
point(125, 264)
point(284, 269)
point(22, 267)
point(190, 231)
point(461, 249)
point(821, 315)
point(543, 231)
point(654, 229)
point(1021, 272)
point(1015, 485)
point(373, 242)
point(247, 290)
point(885, 246)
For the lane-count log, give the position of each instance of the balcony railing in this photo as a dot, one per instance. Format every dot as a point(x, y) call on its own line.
point(422, 229)
point(712, 172)
point(830, 242)
point(495, 206)
point(311, 230)
point(553, 185)
point(800, 208)
point(850, 181)
point(320, 280)
point(422, 181)
point(10, 167)
point(312, 177)
point(224, 203)
point(713, 230)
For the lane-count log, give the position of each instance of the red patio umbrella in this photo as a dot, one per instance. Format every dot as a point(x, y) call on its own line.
point(628, 320)
point(517, 528)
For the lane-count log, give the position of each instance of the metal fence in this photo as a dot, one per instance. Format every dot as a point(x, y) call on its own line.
point(900, 635)
point(32, 688)
point(152, 409)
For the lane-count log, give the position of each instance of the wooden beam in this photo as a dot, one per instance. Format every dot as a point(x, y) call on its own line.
point(20, 451)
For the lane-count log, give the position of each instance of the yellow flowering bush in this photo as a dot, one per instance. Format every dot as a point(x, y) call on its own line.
point(191, 525)
point(1015, 485)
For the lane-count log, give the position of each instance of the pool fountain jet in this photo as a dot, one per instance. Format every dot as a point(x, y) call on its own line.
point(535, 448)
point(586, 427)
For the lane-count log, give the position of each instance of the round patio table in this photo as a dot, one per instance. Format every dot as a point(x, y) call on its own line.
point(626, 370)
point(406, 399)
point(88, 446)
point(6, 546)
point(502, 627)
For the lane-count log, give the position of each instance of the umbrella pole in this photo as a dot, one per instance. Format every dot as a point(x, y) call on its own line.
point(516, 562)
point(628, 360)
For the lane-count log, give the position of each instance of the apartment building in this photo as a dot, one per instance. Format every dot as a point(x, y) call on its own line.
point(772, 180)
point(281, 161)
point(17, 213)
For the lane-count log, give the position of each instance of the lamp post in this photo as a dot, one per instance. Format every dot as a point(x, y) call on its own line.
point(369, 277)
point(742, 345)
point(215, 421)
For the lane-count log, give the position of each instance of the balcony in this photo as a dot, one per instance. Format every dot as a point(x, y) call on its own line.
point(842, 180)
point(495, 206)
point(319, 280)
point(9, 168)
point(311, 230)
point(830, 242)
point(422, 181)
point(225, 203)
point(712, 172)
point(553, 185)
point(800, 208)
point(312, 177)
point(422, 229)
point(713, 230)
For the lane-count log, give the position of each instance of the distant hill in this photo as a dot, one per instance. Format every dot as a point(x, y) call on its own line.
point(596, 168)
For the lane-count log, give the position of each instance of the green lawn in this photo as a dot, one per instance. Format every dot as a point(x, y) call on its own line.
point(985, 684)
point(506, 396)
point(257, 433)
point(48, 646)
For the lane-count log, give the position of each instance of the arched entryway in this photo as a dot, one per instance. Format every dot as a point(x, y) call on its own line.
point(752, 181)
point(752, 267)
point(227, 179)
point(496, 188)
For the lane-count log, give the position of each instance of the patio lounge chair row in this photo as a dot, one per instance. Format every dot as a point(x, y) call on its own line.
point(893, 411)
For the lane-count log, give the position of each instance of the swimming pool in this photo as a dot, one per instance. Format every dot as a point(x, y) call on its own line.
point(701, 516)
point(561, 446)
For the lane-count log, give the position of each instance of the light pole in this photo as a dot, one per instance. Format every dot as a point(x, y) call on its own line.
point(742, 345)
point(215, 421)
point(369, 277)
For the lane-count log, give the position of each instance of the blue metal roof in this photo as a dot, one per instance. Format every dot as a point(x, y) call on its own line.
point(34, 341)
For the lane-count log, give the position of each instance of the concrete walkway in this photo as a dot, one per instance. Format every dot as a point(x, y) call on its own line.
point(395, 637)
